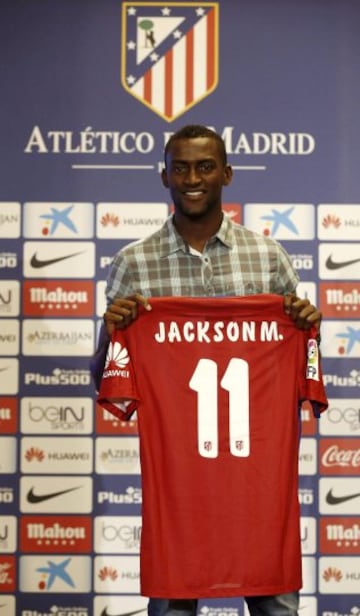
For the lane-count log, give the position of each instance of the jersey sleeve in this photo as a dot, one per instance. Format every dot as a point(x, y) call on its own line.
point(118, 392)
point(313, 388)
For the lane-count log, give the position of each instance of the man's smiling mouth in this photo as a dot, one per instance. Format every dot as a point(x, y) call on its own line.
point(194, 193)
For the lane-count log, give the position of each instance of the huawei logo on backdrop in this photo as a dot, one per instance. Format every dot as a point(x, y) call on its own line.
point(331, 221)
point(110, 220)
point(34, 454)
point(108, 573)
point(332, 573)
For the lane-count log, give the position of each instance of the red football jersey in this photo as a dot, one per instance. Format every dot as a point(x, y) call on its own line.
point(217, 385)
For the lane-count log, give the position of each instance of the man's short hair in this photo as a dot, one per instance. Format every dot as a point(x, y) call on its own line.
point(193, 131)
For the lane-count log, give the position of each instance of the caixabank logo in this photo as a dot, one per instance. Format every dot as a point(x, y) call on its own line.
point(169, 54)
point(341, 339)
point(282, 221)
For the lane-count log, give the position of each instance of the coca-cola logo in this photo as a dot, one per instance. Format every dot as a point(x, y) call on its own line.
point(340, 454)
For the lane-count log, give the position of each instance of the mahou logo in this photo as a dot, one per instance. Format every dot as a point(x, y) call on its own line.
point(58, 298)
point(339, 299)
point(339, 535)
point(340, 456)
point(107, 423)
point(63, 534)
point(8, 415)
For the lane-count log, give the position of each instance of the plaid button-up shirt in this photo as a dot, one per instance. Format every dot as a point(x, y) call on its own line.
point(235, 261)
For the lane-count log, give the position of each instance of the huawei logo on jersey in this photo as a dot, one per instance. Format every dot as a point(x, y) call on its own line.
point(116, 356)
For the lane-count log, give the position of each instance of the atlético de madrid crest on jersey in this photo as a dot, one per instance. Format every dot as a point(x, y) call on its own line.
point(169, 54)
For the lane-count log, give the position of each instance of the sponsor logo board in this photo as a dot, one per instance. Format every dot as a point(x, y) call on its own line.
point(8, 414)
point(8, 454)
point(58, 220)
point(338, 221)
point(107, 423)
point(51, 455)
point(9, 337)
point(342, 417)
point(8, 534)
point(58, 337)
point(338, 574)
point(129, 220)
point(7, 573)
point(60, 415)
point(55, 494)
point(339, 456)
point(120, 605)
point(9, 298)
point(307, 457)
point(64, 534)
point(339, 261)
point(117, 455)
point(63, 298)
point(339, 535)
point(117, 534)
point(10, 219)
point(340, 339)
point(282, 221)
point(339, 300)
point(59, 259)
point(55, 574)
point(116, 574)
point(339, 495)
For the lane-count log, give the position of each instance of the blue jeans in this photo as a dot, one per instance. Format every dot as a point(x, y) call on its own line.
point(273, 605)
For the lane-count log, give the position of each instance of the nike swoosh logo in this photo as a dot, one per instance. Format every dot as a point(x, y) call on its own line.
point(38, 263)
point(337, 500)
point(106, 613)
point(35, 498)
point(332, 265)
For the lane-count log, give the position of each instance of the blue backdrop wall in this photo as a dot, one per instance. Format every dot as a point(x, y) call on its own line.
point(90, 91)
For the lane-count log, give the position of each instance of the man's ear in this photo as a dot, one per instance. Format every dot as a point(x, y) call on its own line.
point(228, 175)
point(164, 178)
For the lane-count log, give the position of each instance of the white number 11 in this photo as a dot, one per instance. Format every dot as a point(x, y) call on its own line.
point(236, 381)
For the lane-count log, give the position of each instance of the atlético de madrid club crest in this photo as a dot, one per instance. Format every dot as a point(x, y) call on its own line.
point(169, 54)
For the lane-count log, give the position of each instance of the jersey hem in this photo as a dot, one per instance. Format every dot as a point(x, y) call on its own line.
point(224, 593)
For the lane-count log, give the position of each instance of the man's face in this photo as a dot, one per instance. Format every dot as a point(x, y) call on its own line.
point(195, 174)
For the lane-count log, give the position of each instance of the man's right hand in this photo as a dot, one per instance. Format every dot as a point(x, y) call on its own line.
point(123, 311)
